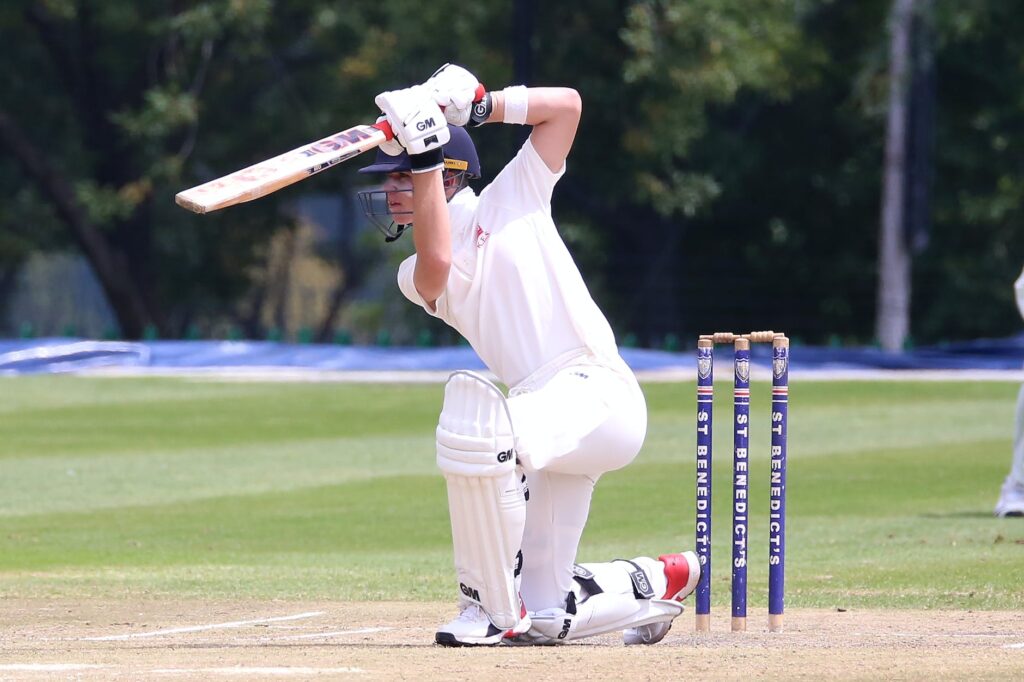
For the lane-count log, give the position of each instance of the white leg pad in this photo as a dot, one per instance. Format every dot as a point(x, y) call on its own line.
point(476, 453)
point(602, 613)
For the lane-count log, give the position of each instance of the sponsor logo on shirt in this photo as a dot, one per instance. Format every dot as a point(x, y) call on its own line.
point(481, 236)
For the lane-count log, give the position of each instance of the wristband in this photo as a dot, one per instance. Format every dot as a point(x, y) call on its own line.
point(481, 111)
point(517, 101)
point(427, 161)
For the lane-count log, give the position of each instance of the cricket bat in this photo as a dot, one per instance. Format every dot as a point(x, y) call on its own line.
point(273, 174)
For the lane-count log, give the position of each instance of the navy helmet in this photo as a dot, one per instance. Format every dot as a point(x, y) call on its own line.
point(459, 155)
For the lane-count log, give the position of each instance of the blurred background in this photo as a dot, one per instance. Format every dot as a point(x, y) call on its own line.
point(850, 172)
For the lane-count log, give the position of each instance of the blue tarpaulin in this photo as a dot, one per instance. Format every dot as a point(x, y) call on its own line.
point(53, 355)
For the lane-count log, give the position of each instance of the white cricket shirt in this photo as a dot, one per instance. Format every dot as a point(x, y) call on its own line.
point(1018, 290)
point(514, 291)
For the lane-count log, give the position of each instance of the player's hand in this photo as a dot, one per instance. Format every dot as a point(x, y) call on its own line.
point(454, 89)
point(392, 147)
point(415, 118)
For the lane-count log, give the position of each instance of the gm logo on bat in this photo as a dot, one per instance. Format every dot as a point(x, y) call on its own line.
point(336, 142)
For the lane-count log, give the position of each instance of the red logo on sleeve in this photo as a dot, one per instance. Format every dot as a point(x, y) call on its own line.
point(481, 236)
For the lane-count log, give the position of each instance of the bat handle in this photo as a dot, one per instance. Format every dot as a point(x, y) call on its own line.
point(480, 92)
point(385, 128)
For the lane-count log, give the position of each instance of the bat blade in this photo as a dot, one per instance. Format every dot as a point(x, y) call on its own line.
point(271, 175)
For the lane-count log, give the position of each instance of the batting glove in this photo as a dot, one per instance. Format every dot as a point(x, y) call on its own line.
point(415, 118)
point(454, 89)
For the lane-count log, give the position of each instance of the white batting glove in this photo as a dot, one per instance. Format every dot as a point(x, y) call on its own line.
point(415, 118)
point(454, 89)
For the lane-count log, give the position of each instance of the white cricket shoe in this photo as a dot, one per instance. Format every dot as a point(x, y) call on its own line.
point(682, 572)
point(472, 627)
point(646, 634)
point(1011, 499)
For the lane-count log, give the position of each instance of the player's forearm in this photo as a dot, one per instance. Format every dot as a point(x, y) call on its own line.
point(554, 114)
point(544, 104)
point(431, 234)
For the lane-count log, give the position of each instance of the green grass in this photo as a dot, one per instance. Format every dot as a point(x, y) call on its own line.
point(170, 487)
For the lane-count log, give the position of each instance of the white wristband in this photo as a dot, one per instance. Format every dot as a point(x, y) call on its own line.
point(517, 101)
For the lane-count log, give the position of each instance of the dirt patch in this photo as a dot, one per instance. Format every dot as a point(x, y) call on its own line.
point(191, 640)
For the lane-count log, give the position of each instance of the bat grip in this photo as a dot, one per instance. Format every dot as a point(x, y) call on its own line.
point(385, 128)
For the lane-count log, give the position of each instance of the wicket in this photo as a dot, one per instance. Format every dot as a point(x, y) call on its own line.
point(741, 438)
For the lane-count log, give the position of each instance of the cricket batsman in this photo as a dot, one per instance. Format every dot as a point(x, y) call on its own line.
point(520, 469)
point(1011, 495)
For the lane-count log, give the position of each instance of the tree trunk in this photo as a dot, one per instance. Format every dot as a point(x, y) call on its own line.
point(892, 321)
point(354, 262)
point(280, 282)
point(111, 266)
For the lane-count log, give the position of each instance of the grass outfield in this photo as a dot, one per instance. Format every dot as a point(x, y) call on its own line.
point(123, 487)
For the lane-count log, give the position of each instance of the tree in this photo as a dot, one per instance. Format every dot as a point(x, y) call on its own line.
point(115, 106)
point(963, 280)
point(726, 173)
point(893, 315)
point(640, 177)
point(102, 118)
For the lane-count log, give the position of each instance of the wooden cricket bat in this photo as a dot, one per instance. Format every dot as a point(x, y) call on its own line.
point(273, 174)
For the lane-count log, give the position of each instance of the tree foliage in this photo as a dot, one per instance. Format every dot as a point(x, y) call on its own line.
point(726, 174)
point(964, 278)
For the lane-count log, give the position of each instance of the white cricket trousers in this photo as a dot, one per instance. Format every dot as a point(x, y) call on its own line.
point(1017, 467)
point(585, 420)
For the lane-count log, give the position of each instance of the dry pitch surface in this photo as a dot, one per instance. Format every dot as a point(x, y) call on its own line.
point(188, 640)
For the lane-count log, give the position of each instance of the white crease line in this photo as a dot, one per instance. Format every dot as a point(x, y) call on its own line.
point(239, 670)
point(48, 667)
point(1014, 646)
point(339, 633)
point(287, 627)
point(200, 628)
point(937, 635)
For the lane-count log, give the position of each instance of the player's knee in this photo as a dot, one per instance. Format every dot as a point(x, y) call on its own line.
point(474, 432)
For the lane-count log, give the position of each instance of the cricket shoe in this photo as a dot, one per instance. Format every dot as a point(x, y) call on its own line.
point(472, 627)
point(1011, 499)
point(682, 571)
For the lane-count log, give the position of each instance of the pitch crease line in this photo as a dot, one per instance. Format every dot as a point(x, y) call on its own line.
point(201, 628)
point(945, 635)
point(49, 667)
point(278, 671)
point(337, 633)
